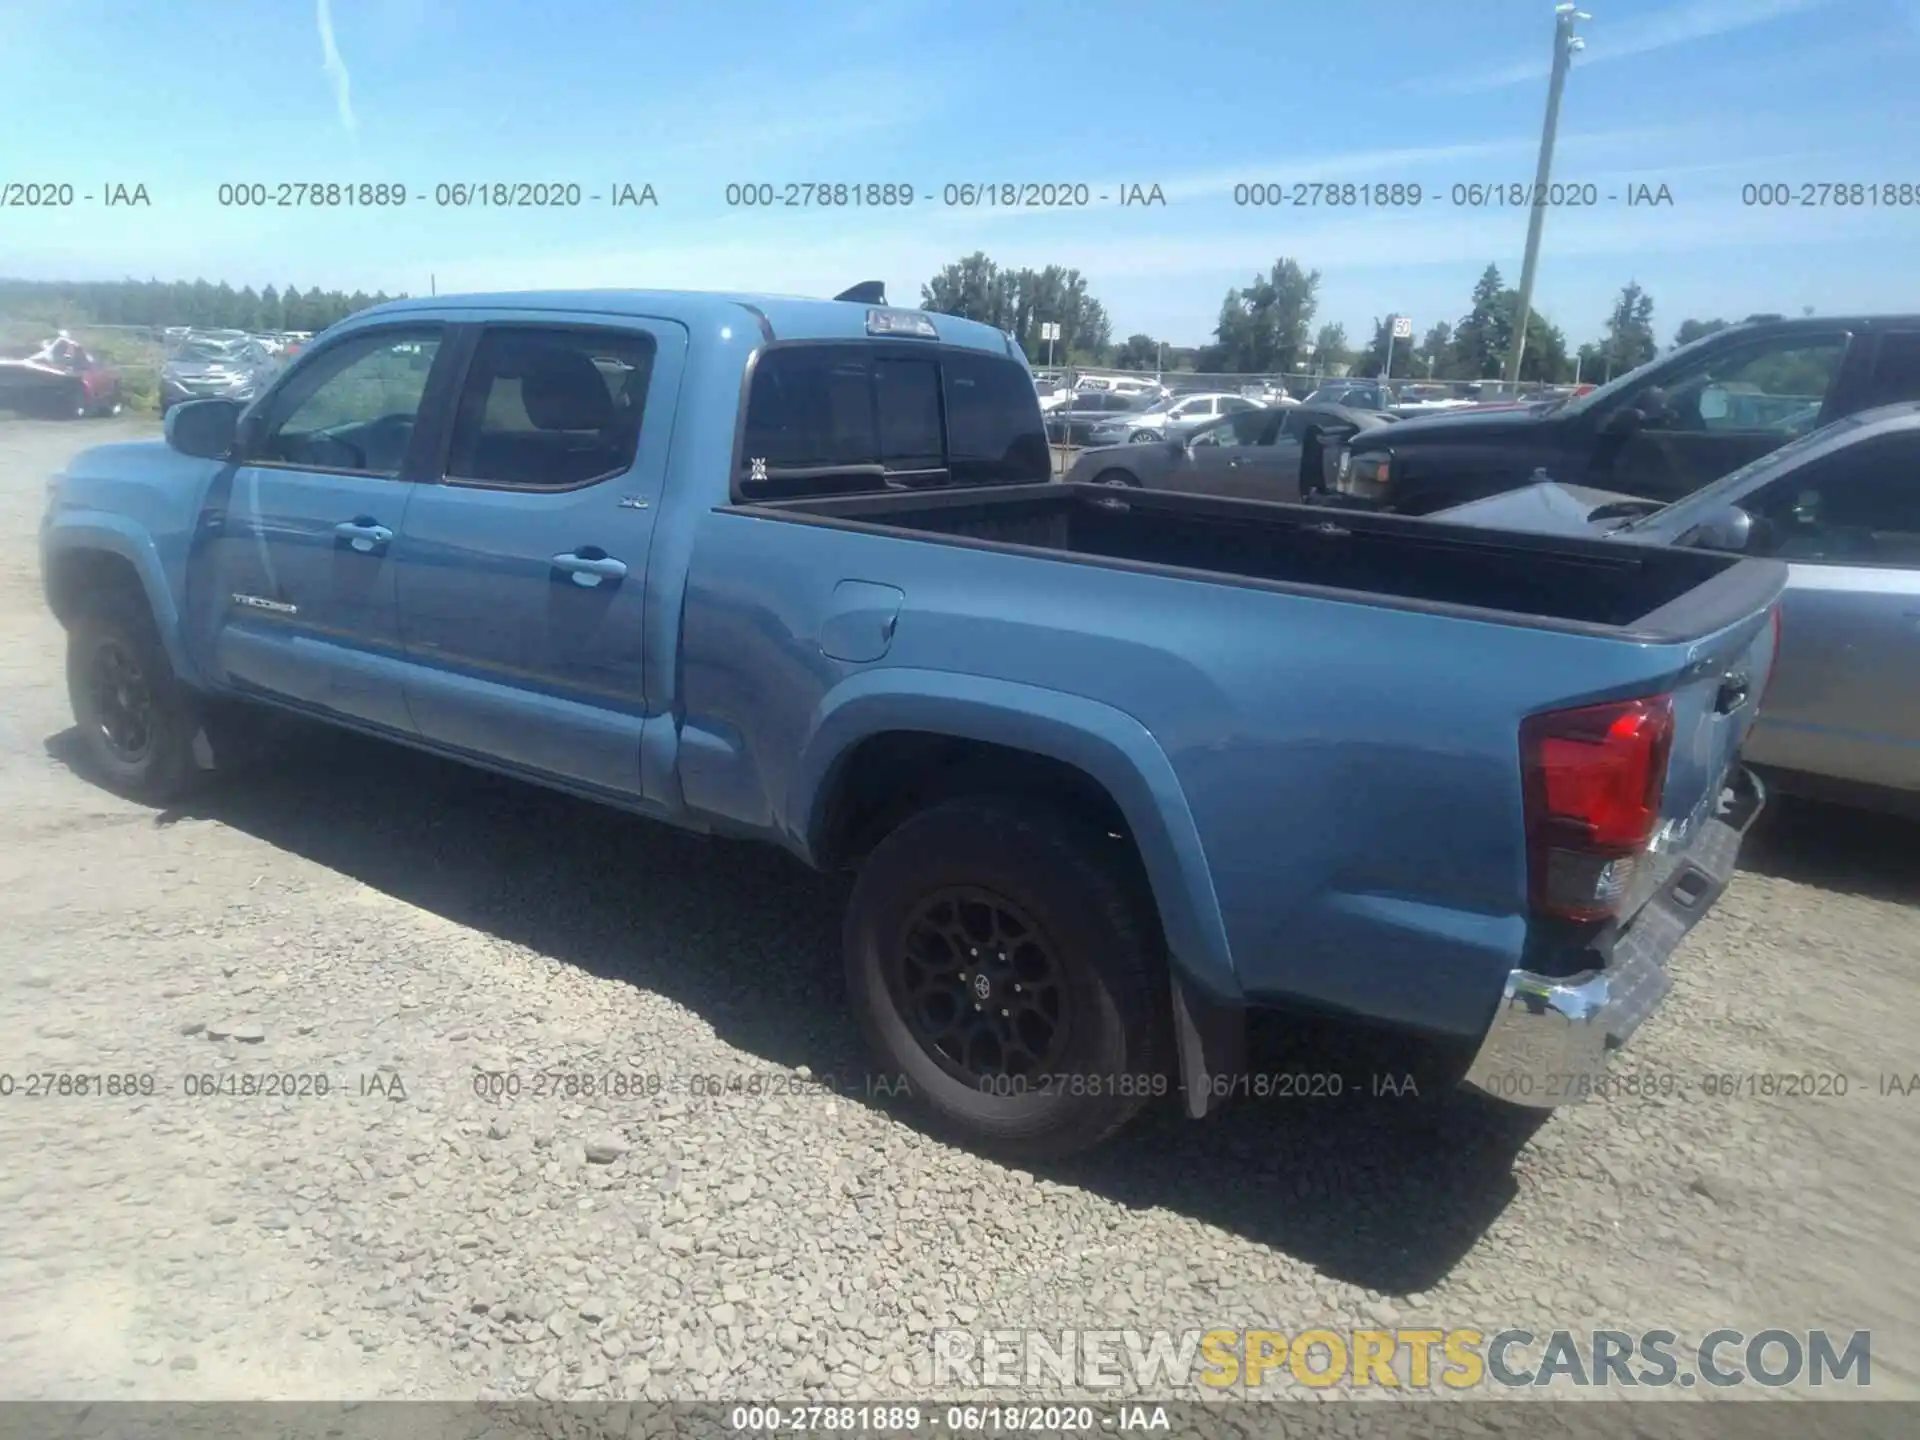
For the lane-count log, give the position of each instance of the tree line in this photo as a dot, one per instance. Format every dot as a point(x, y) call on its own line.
point(198, 303)
point(1267, 327)
point(1264, 327)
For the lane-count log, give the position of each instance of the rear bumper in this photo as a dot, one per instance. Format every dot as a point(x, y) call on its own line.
point(1550, 1037)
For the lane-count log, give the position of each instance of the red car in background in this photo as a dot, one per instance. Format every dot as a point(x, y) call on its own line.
point(59, 378)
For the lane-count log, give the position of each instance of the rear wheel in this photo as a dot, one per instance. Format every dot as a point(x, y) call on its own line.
point(1002, 968)
point(1121, 478)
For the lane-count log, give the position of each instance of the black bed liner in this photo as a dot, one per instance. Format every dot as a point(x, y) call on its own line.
point(1644, 592)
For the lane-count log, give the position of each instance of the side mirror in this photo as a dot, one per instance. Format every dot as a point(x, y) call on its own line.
point(204, 429)
point(1727, 529)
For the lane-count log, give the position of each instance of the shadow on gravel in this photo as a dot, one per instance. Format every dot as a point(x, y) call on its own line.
point(1386, 1191)
point(1854, 852)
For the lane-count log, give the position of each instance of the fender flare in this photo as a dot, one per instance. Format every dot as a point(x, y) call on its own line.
point(1107, 744)
point(70, 534)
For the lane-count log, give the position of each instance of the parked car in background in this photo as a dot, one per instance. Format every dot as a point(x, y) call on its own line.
point(1268, 394)
point(1171, 419)
point(1075, 422)
point(1424, 398)
point(1498, 392)
point(1268, 453)
point(1354, 395)
point(1123, 385)
point(1841, 717)
point(1659, 432)
point(227, 366)
point(58, 378)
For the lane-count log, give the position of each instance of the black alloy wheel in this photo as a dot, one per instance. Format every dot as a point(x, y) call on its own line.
point(123, 706)
point(980, 986)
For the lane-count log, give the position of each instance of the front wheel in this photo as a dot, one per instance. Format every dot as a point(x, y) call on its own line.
point(1124, 479)
point(1143, 437)
point(1002, 966)
point(137, 724)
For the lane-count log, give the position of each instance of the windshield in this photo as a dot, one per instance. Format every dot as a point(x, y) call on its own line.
point(209, 350)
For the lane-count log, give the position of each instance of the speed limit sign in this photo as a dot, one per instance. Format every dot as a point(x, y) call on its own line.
point(1403, 327)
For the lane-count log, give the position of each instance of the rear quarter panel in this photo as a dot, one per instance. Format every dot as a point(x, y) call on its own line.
point(1327, 794)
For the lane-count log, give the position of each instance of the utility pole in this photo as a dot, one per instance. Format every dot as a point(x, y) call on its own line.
point(1565, 43)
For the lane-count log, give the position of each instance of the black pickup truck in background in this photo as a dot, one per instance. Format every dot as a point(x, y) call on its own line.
point(1660, 431)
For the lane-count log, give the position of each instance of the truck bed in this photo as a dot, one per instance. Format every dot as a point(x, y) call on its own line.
point(1657, 594)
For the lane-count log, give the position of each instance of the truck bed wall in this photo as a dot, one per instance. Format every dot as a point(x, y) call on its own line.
point(1578, 581)
point(1326, 793)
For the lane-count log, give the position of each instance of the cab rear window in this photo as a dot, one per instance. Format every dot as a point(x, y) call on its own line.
point(834, 419)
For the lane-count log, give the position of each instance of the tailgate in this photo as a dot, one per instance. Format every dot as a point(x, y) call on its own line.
point(1707, 804)
point(1715, 702)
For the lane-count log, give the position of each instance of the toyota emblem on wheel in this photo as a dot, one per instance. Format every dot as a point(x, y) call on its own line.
point(982, 987)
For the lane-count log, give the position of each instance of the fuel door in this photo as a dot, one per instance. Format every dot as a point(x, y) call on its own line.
point(860, 622)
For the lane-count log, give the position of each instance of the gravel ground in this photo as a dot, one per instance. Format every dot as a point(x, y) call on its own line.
point(398, 925)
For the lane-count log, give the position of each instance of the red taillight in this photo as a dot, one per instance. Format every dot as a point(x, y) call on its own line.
point(1593, 778)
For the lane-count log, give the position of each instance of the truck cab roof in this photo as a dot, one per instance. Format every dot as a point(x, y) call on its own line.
point(780, 317)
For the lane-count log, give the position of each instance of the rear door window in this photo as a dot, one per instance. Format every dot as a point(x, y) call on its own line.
point(549, 409)
point(842, 418)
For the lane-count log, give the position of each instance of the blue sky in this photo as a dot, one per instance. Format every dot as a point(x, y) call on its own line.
point(1701, 95)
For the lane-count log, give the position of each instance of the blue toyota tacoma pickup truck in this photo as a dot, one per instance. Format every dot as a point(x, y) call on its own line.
point(1113, 771)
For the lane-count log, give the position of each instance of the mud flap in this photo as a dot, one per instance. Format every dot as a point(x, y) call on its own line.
point(1211, 1042)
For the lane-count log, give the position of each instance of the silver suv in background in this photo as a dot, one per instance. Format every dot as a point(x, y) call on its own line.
point(1840, 719)
point(210, 365)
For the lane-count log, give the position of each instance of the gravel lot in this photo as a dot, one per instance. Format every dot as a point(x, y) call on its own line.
point(397, 924)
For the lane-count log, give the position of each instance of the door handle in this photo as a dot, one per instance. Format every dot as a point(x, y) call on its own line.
point(363, 533)
point(588, 566)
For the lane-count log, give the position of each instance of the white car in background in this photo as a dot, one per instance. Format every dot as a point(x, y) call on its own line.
point(1421, 398)
point(1270, 396)
point(1173, 418)
point(1121, 384)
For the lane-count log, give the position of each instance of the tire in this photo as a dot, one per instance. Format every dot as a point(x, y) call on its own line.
point(1124, 478)
point(1066, 884)
point(119, 640)
point(1144, 437)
